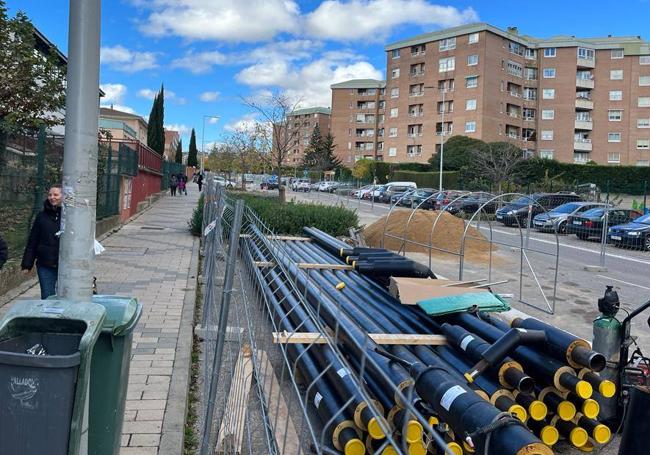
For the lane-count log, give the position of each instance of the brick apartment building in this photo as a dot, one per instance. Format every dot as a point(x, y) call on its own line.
point(299, 127)
point(172, 138)
point(572, 99)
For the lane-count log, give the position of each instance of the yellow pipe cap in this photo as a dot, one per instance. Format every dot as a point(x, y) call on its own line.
point(417, 448)
point(584, 390)
point(578, 437)
point(413, 431)
point(566, 410)
point(455, 448)
point(549, 435)
point(590, 408)
point(467, 448)
point(433, 421)
point(354, 447)
point(518, 411)
point(607, 388)
point(374, 429)
point(390, 450)
point(602, 434)
point(537, 410)
point(340, 286)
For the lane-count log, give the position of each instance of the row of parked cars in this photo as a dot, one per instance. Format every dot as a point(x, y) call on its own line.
point(324, 186)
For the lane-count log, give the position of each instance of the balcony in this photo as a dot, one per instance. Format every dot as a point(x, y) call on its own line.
point(583, 103)
point(512, 114)
point(584, 83)
point(529, 119)
point(420, 93)
point(416, 114)
point(417, 73)
point(582, 145)
point(586, 62)
point(584, 125)
point(515, 94)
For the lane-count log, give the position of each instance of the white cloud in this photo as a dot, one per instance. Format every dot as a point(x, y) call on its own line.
point(120, 58)
point(199, 62)
point(113, 93)
point(209, 96)
point(375, 19)
point(223, 20)
point(181, 128)
point(245, 123)
point(169, 95)
point(122, 108)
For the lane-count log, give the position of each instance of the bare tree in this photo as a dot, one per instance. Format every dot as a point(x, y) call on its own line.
point(274, 136)
point(247, 147)
point(497, 162)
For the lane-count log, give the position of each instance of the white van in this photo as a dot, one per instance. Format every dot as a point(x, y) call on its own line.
point(395, 187)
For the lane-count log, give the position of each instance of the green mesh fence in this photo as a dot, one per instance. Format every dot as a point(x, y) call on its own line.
point(169, 168)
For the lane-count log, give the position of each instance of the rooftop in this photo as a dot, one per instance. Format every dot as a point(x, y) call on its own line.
point(360, 83)
point(107, 112)
point(312, 110)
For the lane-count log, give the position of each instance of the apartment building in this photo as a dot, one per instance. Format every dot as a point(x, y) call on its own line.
point(172, 139)
point(299, 128)
point(123, 125)
point(358, 116)
point(572, 99)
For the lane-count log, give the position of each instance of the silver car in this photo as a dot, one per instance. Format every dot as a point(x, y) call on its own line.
point(557, 217)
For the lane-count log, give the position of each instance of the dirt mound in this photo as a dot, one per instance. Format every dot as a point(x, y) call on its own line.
point(447, 236)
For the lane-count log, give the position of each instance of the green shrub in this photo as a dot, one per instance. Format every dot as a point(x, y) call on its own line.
point(428, 179)
point(196, 222)
point(417, 167)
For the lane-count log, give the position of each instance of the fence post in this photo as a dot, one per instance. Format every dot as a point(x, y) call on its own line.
point(603, 244)
point(223, 323)
point(645, 196)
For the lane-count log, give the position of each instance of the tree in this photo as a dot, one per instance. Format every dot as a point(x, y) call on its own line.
point(193, 152)
point(497, 162)
point(312, 157)
point(457, 153)
point(331, 160)
point(274, 137)
point(156, 130)
point(32, 82)
point(178, 158)
point(362, 169)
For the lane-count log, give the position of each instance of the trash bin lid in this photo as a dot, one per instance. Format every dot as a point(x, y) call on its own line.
point(122, 313)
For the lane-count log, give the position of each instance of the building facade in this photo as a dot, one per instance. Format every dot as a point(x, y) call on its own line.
point(299, 127)
point(172, 139)
point(123, 125)
point(571, 99)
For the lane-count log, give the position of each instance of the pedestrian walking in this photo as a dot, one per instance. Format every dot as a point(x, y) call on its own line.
point(181, 185)
point(199, 181)
point(173, 183)
point(43, 244)
point(185, 181)
point(3, 252)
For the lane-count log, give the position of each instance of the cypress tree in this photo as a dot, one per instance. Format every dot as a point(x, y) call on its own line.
point(193, 152)
point(179, 153)
point(156, 130)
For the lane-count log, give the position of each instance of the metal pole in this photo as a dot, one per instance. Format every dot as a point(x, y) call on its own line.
point(76, 254)
point(223, 323)
point(442, 138)
point(603, 239)
point(645, 196)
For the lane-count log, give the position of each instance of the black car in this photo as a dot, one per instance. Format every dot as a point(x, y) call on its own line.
point(472, 202)
point(635, 234)
point(590, 223)
point(424, 198)
point(516, 212)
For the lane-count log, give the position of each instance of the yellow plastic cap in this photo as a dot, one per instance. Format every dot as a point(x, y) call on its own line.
point(537, 410)
point(433, 421)
point(468, 378)
point(607, 388)
point(566, 410)
point(413, 431)
point(374, 429)
point(467, 448)
point(549, 435)
point(390, 450)
point(340, 286)
point(578, 437)
point(455, 448)
point(590, 408)
point(417, 448)
point(584, 390)
point(602, 434)
point(354, 447)
point(354, 264)
point(519, 412)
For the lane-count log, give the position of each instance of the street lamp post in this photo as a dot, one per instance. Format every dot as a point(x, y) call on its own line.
point(442, 137)
point(203, 138)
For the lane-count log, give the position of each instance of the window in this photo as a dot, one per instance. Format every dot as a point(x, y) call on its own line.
point(643, 123)
point(644, 81)
point(616, 75)
point(614, 137)
point(515, 48)
point(447, 44)
point(470, 127)
point(417, 50)
point(515, 69)
point(615, 115)
point(547, 135)
point(414, 150)
point(416, 90)
point(585, 53)
point(417, 69)
point(549, 52)
point(643, 144)
point(548, 93)
point(616, 95)
point(473, 38)
point(530, 54)
point(530, 93)
point(548, 114)
point(580, 158)
point(530, 74)
point(394, 92)
point(394, 112)
point(447, 64)
point(392, 132)
point(470, 105)
point(549, 73)
point(644, 59)
point(392, 151)
point(614, 158)
point(394, 74)
point(546, 154)
point(617, 53)
point(644, 163)
point(644, 101)
point(472, 60)
point(395, 53)
point(471, 81)
point(414, 130)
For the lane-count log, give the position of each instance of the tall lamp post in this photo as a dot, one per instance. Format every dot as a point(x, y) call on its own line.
point(442, 90)
point(203, 138)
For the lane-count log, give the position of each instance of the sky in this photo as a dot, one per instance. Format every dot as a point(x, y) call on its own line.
point(212, 54)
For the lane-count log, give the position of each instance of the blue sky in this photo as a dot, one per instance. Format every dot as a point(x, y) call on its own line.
point(211, 53)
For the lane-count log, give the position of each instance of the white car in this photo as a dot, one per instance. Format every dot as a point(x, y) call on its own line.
point(328, 187)
point(224, 182)
point(301, 185)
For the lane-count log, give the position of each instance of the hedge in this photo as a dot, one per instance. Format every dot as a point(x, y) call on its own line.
point(428, 179)
point(417, 167)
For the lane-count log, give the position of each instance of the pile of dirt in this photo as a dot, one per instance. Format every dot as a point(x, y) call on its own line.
point(447, 236)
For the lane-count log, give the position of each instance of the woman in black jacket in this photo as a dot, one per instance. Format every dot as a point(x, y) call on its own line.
point(43, 244)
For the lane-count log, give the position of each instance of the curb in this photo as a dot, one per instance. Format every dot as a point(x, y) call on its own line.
point(173, 430)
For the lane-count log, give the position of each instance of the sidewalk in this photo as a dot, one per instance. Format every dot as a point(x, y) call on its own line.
point(154, 258)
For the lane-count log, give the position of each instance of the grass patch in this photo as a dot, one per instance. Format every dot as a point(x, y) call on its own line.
point(196, 221)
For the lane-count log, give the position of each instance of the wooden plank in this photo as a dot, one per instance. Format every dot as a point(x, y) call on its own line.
point(263, 264)
point(284, 431)
point(231, 432)
point(307, 265)
point(379, 338)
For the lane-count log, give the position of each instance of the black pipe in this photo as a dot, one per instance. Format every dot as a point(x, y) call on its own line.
point(576, 435)
point(393, 268)
point(544, 431)
point(556, 404)
point(590, 408)
point(537, 410)
point(604, 386)
point(597, 431)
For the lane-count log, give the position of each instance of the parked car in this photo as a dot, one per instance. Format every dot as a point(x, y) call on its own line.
point(224, 182)
point(556, 219)
point(403, 199)
point(376, 193)
point(421, 197)
point(473, 202)
point(393, 188)
point(590, 223)
point(363, 191)
point(301, 185)
point(449, 200)
point(314, 186)
point(328, 187)
point(635, 234)
point(516, 212)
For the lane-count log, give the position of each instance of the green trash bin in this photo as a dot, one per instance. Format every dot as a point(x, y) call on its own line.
point(109, 376)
